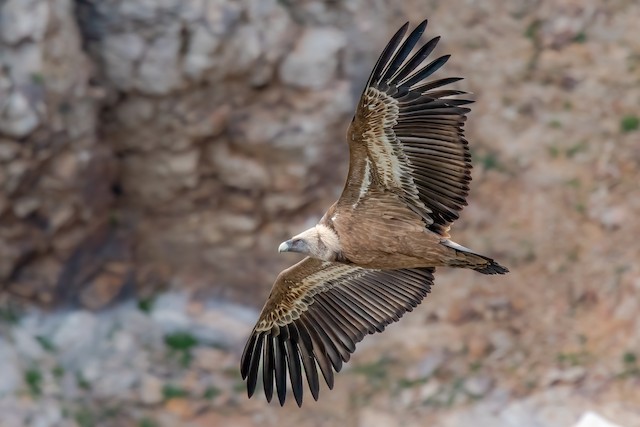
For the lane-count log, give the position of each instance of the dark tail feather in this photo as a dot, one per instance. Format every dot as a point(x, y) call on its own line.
point(491, 268)
point(468, 259)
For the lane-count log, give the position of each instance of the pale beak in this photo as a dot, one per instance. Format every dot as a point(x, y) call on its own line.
point(284, 246)
point(294, 245)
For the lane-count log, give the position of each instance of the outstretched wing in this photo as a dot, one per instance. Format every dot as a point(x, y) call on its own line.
point(316, 313)
point(407, 134)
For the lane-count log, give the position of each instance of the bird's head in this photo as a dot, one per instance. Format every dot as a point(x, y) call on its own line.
point(317, 242)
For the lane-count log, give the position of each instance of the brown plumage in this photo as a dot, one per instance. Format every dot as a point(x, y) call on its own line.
point(372, 255)
point(316, 313)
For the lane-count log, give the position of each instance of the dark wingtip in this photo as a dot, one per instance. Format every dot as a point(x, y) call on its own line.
point(434, 84)
point(422, 26)
point(399, 69)
point(385, 56)
point(425, 72)
point(245, 360)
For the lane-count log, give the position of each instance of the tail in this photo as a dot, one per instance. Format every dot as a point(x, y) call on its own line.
point(466, 258)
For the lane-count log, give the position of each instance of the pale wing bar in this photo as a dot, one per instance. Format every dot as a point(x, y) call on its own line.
point(428, 127)
point(339, 313)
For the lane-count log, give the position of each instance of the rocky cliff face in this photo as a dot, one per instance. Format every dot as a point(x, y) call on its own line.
point(56, 174)
point(148, 141)
point(145, 143)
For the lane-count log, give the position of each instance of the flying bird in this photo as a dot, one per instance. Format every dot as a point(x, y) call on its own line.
point(372, 256)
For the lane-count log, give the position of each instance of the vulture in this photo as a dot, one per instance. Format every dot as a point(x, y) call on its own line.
point(372, 256)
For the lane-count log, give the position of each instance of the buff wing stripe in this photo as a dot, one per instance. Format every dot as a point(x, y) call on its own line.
point(316, 314)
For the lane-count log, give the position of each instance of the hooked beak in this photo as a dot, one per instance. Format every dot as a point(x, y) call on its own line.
point(284, 246)
point(293, 245)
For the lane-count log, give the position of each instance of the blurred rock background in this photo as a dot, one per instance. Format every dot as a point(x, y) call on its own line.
point(154, 153)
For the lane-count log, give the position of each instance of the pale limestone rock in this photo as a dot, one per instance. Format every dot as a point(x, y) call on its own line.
point(275, 28)
point(169, 313)
point(16, 170)
point(211, 359)
point(25, 206)
point(211, 232)
point(429, 390)
point(14, 412)
point(614, 217)
point(428, 365)
point(235, 223)
point(478, 385)
point(49, 414)
point(23, 20)
point(25, 64)
point(221, 15)
point(191, 10)
point(142, 326)
point(17, 117)
point(370, 417)
point(121, 52)
point(117, 383)
point(626, 310)
point(236, 170)
point(61, 217)
point(183, 163)
point(76, 333)
point(243, 51)
point(257, 126)
point(66, 166)
point(144, 10)
point(592, 419)
point(501, 341)
point(313, 62)
point(26, 345)
point(224, 325)
point(200, 55)
point(151, 389)
point(159, 73)
point(11, 378)
point(222, 419)
point(282, 202)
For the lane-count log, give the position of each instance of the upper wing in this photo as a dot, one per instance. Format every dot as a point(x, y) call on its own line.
point(407, 134)
point(317, 311)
